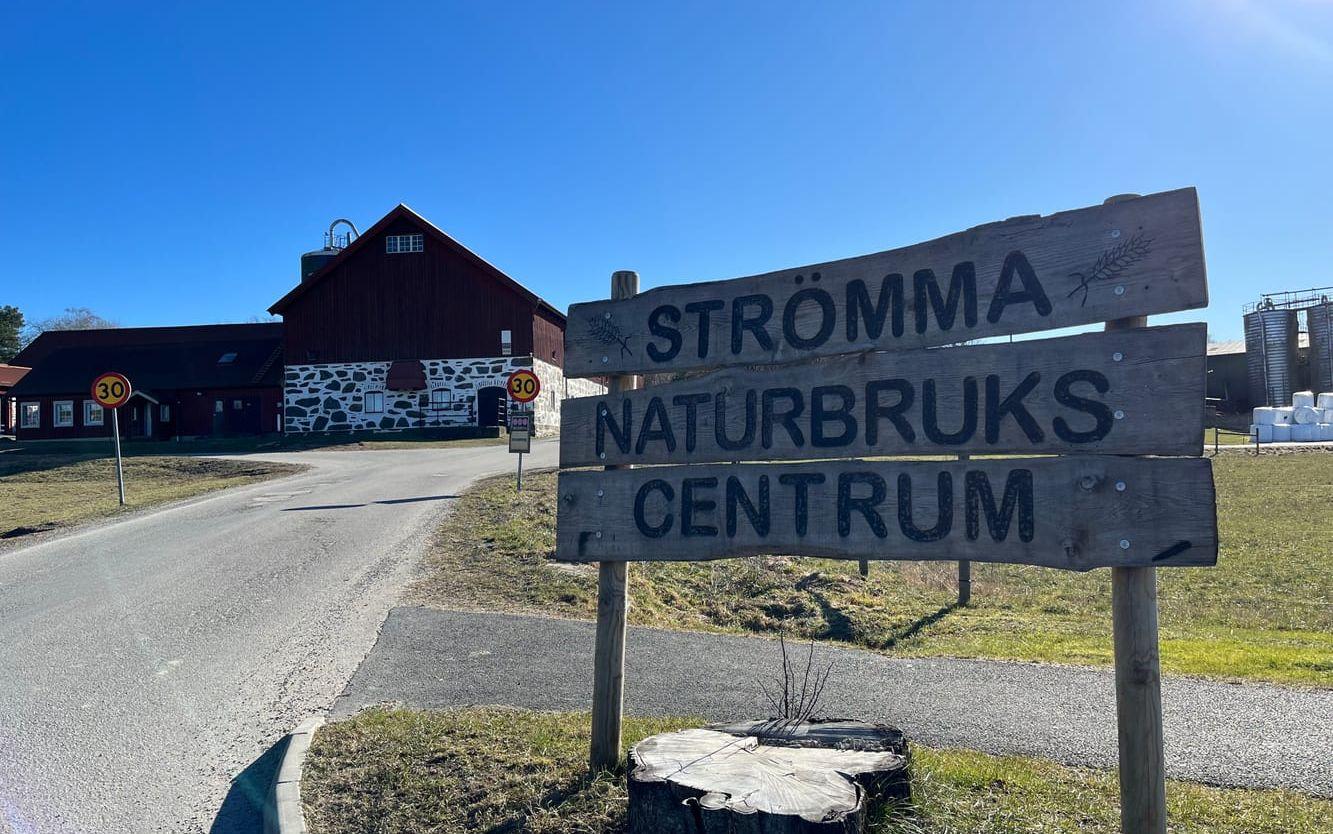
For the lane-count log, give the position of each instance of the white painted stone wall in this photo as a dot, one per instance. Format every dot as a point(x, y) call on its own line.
point(331, 397)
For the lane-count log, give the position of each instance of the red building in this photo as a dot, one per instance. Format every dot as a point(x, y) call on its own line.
point(9, 377)
point(222, 379)
point(403, 327)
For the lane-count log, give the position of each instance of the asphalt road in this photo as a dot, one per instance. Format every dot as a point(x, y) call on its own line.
point(147, 662)
point(1246, 735)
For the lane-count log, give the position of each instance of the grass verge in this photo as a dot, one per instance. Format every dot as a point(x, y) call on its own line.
point(392, 771)
point(1265, 611)
point(40, 491)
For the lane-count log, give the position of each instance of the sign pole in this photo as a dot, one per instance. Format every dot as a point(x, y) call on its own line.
point(120, 472)
point(964, 570)
point(518, 486)
point(1138, 687)
point(608, 682)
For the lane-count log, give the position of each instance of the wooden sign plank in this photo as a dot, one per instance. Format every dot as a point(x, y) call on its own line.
point(1134, 257)
point(1097, 393)
point(1075, 513)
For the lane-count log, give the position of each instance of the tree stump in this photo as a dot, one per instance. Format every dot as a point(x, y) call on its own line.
point(766, 777)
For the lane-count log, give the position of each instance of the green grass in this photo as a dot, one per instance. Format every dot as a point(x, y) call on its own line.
point(40, 491)
point(392, 771)
point(1265, 611)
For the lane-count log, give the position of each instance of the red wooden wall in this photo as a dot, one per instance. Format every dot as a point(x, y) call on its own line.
point(440, 303)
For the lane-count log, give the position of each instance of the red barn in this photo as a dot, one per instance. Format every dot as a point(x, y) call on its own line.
point(218, 379)
point(404, 328)
point(9, 377)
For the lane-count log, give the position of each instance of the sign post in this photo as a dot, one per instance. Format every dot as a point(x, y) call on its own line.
point(111, 390)
point(523, 387)
point(1076, 453)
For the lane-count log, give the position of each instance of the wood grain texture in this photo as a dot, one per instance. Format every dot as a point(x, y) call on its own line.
point(1133, 257)
point(1138, 686)
point(608, 682)
point(938, 401)
point(713, 780)
point(1064, 512)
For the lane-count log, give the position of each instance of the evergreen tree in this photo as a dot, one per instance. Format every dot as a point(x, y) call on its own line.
point(11, 329)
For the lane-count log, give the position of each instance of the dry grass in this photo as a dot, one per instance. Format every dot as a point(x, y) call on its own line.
point(1265, 612)
point(390, 771)
point(44, 491)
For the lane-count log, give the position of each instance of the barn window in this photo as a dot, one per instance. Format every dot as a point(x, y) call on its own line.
point(237, 405)
point(166, 413)
point(403, 243)
point(374, 402)
point(506, 342)
point(439, 398)
point(64, 413)
point(92, 413)
point(32, 415)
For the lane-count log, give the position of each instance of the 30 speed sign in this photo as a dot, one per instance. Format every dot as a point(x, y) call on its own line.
point(111, 390)
point(524, 386)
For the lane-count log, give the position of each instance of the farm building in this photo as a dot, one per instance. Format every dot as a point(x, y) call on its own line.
point(403, 327)
point(9, 377)
point(222, 379)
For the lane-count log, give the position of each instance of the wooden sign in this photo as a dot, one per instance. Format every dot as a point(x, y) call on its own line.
point(1075, 513)
point(1098, 393)
point(1128, 258)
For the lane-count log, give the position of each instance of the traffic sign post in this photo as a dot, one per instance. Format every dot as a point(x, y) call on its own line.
point(523, 386)
point(111, 390)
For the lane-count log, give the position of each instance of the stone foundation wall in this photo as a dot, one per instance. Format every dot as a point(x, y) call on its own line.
point(331, 397)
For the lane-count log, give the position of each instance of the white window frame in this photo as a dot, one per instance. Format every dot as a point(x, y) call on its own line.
point(402, 244)
point(30, 415)
point(55, 414)
point(506, 343)
point(442, 402)
point(164, 413)
point(93, 413)
point(378, 395)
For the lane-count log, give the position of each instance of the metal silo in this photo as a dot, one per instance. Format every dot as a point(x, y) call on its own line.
point(1270, 355)
point(1319, 319)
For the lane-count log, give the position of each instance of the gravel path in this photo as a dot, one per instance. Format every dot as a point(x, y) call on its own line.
point(1249, 735)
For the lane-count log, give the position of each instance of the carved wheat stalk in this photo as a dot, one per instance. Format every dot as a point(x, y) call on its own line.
point(1112, 263)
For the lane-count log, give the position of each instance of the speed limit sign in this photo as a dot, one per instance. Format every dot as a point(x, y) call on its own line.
point(111, 390)
point(524, 386)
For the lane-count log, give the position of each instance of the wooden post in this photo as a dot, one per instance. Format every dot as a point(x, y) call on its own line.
point(608, 683)
point(1138, 686)
point(964, 569)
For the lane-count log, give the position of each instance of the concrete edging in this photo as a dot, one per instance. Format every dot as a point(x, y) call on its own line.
point(283, 813)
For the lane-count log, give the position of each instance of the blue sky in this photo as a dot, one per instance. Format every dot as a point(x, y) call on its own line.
point(167, 163)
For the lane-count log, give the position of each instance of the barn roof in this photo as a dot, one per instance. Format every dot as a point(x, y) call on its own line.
point(436, 233)
point(225, 356)
point(1234, 346)
point(11, 374)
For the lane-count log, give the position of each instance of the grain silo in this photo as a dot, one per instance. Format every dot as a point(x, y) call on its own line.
point(1270, 354)
point(1319, 320)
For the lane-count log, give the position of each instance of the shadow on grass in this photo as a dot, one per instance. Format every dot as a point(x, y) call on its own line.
point(242, 810)
point(553, 798)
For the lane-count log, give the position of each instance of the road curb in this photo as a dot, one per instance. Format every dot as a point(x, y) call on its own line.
point(282, 810)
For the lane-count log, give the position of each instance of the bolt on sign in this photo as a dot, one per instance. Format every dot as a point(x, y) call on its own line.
point(805, 383)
